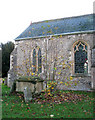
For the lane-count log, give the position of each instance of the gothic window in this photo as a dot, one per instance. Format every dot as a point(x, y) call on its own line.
point(39, 61)
point(80, 58)
point(34, 60)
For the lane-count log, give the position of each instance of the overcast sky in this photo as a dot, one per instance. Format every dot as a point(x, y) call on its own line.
point(16, 15)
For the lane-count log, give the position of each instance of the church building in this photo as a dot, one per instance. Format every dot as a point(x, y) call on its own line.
point(60, 50)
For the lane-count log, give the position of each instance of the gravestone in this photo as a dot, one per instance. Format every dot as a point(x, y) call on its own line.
point(27, 94)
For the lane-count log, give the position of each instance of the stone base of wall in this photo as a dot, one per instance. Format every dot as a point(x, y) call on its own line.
point(78, 83)
point(11, 78)
point(79, 87)
point(21, 85)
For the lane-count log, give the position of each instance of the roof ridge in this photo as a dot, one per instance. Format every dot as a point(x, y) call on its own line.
point(60, 19)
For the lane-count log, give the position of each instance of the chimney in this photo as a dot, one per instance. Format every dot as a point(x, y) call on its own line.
point(31, 23)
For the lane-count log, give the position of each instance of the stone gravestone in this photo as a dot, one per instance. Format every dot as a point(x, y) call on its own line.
point(27, 94)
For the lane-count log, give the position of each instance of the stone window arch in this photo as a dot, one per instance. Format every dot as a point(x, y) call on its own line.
point(39, 61)
point(81, 58)
point(34, 60)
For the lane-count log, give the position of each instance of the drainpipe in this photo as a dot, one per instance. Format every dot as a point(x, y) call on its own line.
point(93, 52)
point(46, 60)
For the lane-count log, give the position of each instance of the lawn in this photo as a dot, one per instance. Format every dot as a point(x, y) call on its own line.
point(13, 106)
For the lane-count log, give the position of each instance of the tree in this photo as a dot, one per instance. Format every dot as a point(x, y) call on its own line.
point(7, 48)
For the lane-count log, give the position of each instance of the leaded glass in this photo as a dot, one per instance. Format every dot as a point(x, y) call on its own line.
point(80, 56)
point(39, 61)
point(34, 60)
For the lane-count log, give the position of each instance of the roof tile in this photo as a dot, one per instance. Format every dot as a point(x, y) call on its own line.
point(58, 26)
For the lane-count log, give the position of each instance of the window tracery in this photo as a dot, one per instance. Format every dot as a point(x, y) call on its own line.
point(81, 58)
point(34, 61)
point(39, 61)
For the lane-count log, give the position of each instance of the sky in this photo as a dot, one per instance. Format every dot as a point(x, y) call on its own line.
point(17, 15)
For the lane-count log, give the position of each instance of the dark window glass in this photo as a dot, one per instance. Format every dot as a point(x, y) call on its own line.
point(34, 60)
point(39, 61)
point(80, 56)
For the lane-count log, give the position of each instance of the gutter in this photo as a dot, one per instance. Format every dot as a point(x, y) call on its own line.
point(71, 33)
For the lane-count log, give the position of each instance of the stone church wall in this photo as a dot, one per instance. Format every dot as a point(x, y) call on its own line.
point(57, 59)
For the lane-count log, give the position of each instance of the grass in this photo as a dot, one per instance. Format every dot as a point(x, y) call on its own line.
point(14, 107)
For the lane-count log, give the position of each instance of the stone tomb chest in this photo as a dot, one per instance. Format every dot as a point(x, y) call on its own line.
point(33, 84)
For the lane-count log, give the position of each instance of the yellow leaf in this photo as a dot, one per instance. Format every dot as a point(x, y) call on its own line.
point(63, 63)
point(48, 90)
point(71, 77)
point(51, 38)
point(75, 84)
point(56, 28)
point(60, 36)
point(32, 73)
point(61, 82)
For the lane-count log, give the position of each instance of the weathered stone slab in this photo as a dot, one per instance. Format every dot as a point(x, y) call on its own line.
point(27, 94)
point(21, 85)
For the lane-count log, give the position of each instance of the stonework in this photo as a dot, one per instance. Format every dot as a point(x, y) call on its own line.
point(27, 94)
point(58, 62)
point(93, 57)
point(93, 78)
point(21, 85)
point(12, 72)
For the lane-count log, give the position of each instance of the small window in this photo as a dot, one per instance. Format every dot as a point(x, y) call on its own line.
point(34, 61)
point(80, 58)
point(39, 61)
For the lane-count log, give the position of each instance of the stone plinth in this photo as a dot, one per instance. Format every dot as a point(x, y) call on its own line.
point(21, 85)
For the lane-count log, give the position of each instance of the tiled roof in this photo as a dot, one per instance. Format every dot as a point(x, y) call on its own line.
point(58, 26)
